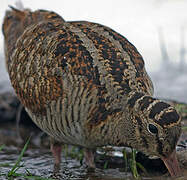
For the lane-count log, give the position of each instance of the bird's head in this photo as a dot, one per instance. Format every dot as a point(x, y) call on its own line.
point(157, 128)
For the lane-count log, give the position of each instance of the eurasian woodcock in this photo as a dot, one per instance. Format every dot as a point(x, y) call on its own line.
point(85, 84)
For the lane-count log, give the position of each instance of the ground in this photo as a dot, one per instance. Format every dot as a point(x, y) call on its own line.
point(110, 161)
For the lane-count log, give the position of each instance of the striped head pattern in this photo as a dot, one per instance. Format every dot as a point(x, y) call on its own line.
point(157, 124)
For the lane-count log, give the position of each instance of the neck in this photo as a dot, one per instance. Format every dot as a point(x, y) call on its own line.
point(130, 119)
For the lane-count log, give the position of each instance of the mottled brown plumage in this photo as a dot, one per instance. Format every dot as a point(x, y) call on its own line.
point(85, 84)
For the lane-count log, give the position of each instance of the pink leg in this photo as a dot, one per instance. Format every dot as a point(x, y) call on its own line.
point(56, 149)
point(89, 158)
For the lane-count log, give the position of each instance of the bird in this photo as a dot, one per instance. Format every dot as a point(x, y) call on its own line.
point(86, 85)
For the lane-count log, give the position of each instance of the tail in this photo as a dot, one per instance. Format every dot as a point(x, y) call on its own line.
point(13, 27)
point(19, 5)
point(17, 19)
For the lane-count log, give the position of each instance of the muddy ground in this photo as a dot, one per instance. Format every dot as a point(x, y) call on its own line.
point(16, 127)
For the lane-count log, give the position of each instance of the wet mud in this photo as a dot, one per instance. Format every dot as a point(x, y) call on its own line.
point(16, 127)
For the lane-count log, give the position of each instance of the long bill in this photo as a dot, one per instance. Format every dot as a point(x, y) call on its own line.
point(172, 164)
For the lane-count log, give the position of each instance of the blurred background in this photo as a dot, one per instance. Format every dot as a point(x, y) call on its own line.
point(156, 27)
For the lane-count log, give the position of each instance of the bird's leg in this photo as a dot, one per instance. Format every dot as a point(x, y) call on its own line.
point(56, 149)
point(89, 158)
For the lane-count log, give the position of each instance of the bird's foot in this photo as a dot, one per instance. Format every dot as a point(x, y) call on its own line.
point(56, 169)
point(89, 159)
point(56, 149)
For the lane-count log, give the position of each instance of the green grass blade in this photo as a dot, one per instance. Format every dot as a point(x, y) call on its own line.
point(105, 165)
point(133, 165)
point(28, 172)
point(17, 164)
point(184, 128)
point(125, 158)
point(1, 147)
point(81, 157)
point(141, 167)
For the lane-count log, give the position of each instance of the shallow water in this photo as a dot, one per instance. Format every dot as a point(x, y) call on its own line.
point(39, 162)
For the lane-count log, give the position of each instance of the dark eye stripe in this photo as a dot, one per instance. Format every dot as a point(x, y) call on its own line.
point(169, 118)
point(157, 108)
point(134, 98)
point(145, 102)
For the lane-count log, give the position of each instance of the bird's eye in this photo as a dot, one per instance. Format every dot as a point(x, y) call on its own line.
point(152, 129)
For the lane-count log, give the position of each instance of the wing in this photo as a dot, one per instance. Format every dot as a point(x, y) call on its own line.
point(124, 62)
point(49, 62)
point(53, 58)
